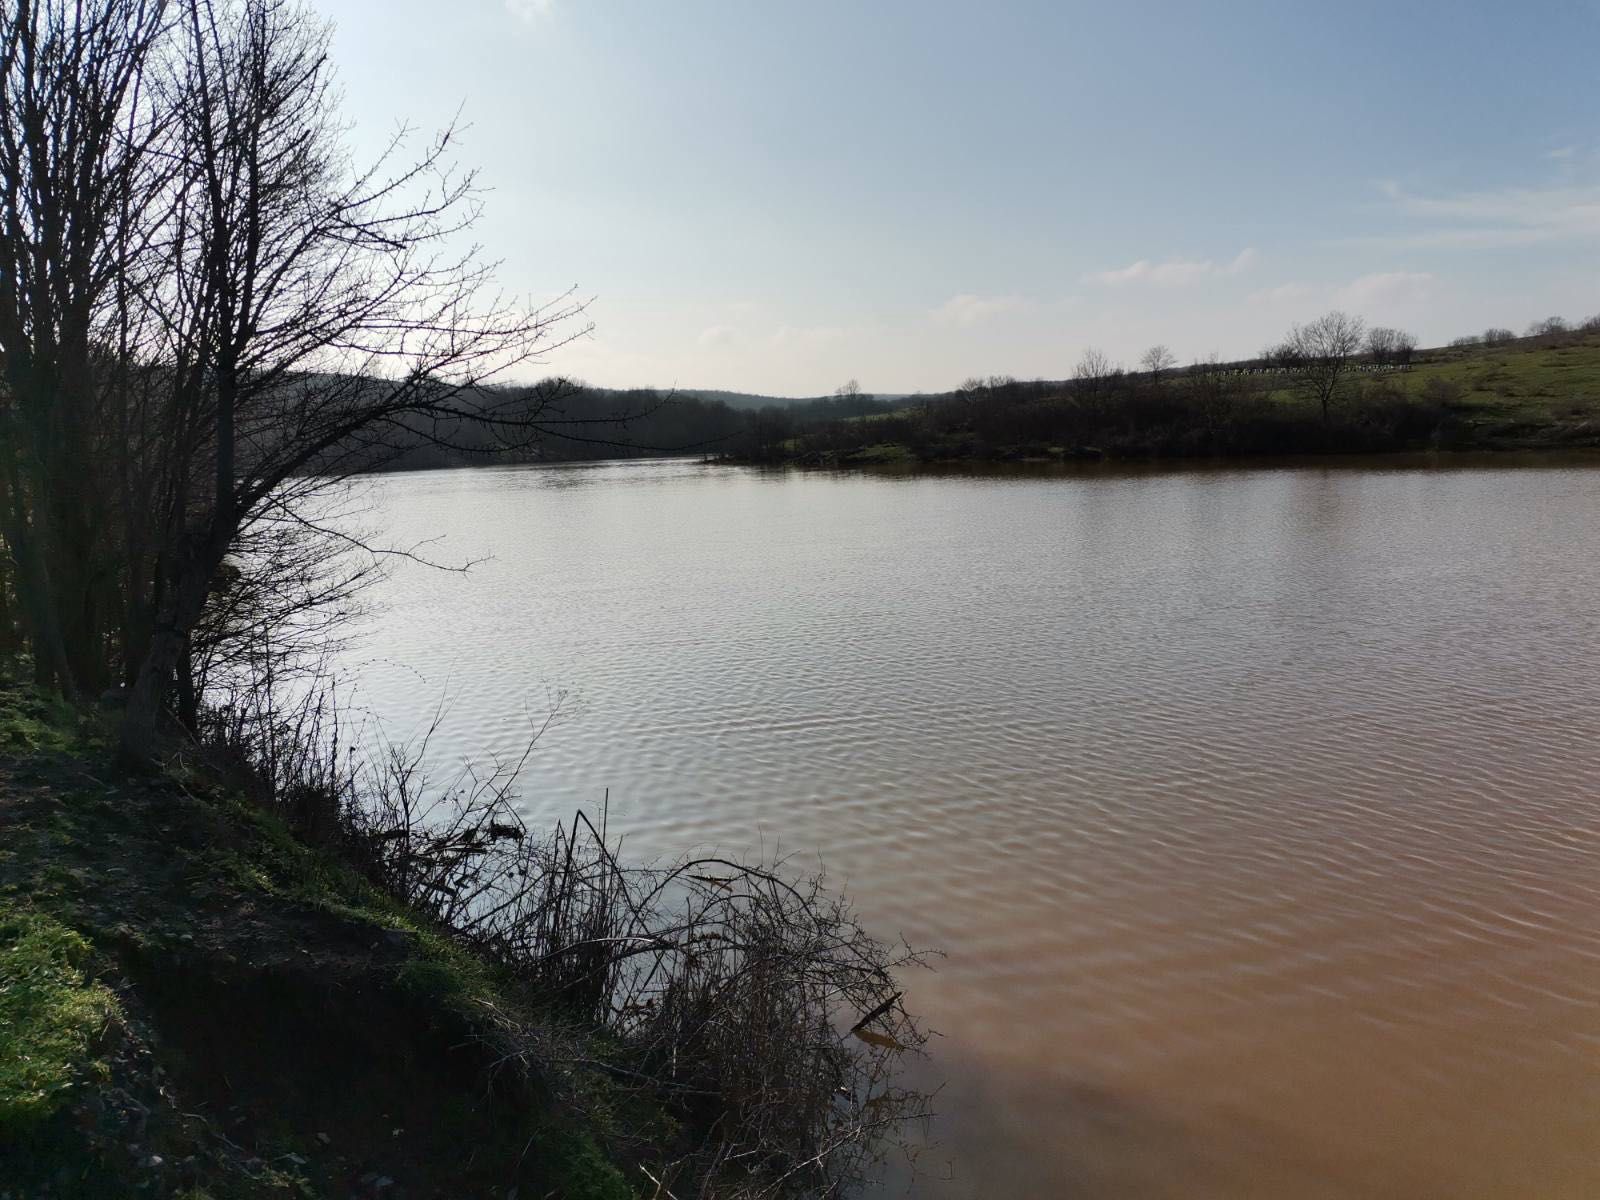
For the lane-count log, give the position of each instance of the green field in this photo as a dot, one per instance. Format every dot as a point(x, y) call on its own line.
point(1527, 389)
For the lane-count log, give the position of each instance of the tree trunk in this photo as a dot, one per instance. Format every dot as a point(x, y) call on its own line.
point(140, 741)
point(188, 699)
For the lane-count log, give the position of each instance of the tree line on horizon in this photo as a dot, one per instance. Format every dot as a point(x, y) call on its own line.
point(1212, 406)
point(1328, 386)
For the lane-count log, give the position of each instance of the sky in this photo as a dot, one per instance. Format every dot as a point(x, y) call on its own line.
point(777, 197)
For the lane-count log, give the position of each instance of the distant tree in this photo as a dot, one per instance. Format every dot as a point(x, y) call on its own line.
point(1381, 342)
point(1465, 340)
point(974, 390)
point(1094, 366)
point(769, 430)
point(1094, 380)
point(1590, 324)
point(1548, 326)
point(1320, 354)
point(1495, 336)
point(1390, 347)
point(1157, 361)
point(1212, 391)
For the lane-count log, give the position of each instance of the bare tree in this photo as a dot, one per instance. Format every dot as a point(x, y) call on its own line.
point(1093, 380)
point(1157, 361)
point(1390, 347)
point(1093, 366)
point(1495, 336)
point(206, 309)
point(1548, 326)
point(1320, 354)
point(76, 172)
point(1380, 344)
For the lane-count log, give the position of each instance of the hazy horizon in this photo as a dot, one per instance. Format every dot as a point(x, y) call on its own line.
point(777, 199)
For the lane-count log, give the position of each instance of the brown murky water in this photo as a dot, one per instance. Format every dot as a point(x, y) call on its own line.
point(1257, 809)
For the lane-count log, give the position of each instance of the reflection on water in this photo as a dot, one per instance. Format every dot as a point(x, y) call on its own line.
point(1255, 808)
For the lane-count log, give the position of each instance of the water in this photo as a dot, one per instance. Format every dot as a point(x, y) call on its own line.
point(1255, 808)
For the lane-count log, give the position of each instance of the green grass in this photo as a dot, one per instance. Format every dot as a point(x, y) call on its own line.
point(881, 454)
point(185, 892)
point(30, 723)
point(1520, 381)
point(51, 1017)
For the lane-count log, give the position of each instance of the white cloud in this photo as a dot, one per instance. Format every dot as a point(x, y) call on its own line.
point(717, 335)
point(1174, 272)
point(1381, 296)
point(1561, 152)
point(805, 337)
point(530, 11)
point(1384, 291)
point(1503, 217)
point(1242, 261)
point(1283, 293)
point(967, 309)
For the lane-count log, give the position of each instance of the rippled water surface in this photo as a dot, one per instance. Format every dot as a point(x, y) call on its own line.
point(1256, 809)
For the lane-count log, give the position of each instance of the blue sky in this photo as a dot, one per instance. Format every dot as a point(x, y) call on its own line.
point(778, 197)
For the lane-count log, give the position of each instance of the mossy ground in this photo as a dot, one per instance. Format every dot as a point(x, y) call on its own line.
point(194, 1004)
point(51, 1016)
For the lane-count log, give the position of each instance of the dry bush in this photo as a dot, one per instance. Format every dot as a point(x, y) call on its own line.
point(749, 1005)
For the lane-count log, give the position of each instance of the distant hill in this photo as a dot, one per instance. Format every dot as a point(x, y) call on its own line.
point(746, 401)
point(1539, 391)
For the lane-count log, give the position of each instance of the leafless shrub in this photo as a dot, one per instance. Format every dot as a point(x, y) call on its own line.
point(748, 1002)
point(756, 1006)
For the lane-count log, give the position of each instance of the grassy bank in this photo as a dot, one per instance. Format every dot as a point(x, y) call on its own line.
point(193, 1004)
point(209, 988)
point(1530, 393)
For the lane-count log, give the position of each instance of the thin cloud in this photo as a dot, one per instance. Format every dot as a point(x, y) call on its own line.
point(1174, 272)
point(806, 337)
point(968, 309)
point(1283, 293)
point(1561, 152)
point(530, 12)
point(1384, 290)
point(1503, 217)
point(1378, 292)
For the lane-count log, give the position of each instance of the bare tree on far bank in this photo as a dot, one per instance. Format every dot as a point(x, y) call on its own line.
point(1322, 353)
point(1390, 347)
point(1157, 361)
